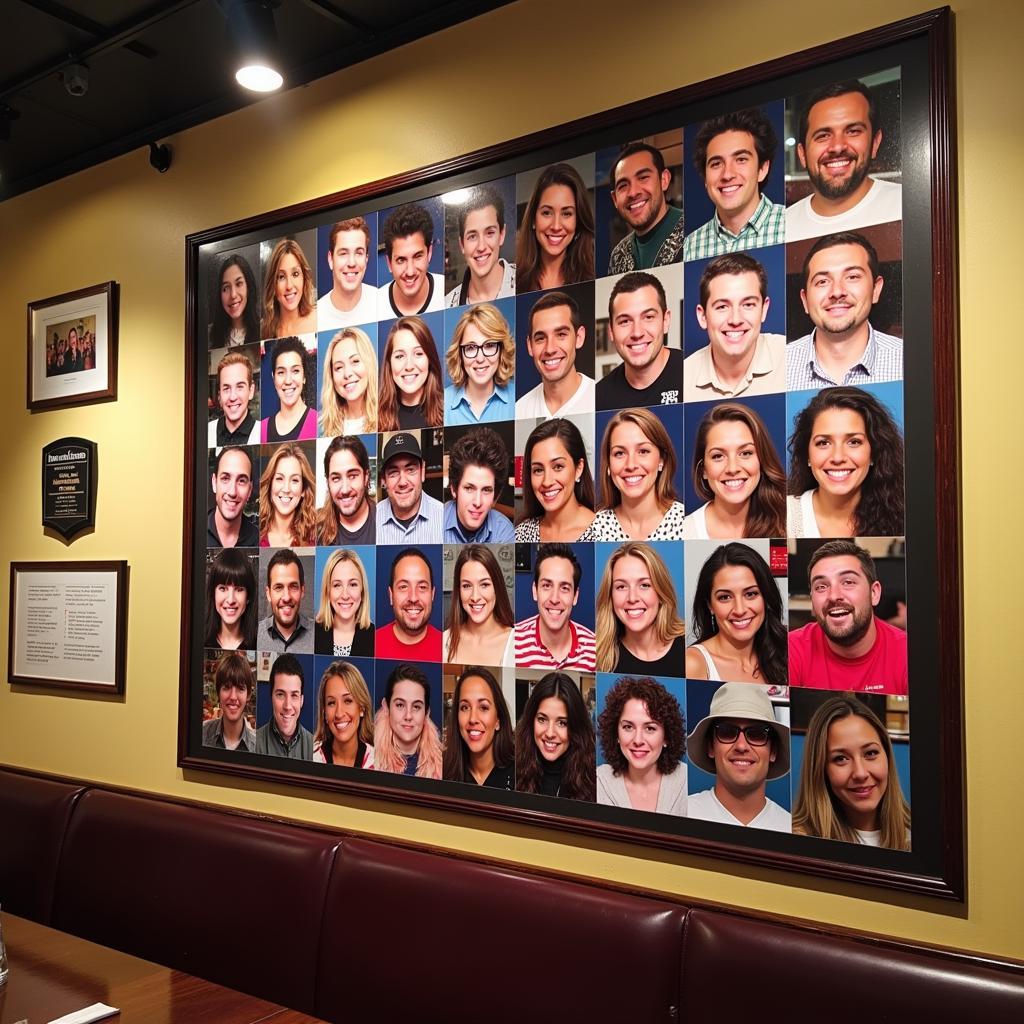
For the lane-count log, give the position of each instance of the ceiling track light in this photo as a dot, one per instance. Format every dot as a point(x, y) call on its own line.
point(252, 42)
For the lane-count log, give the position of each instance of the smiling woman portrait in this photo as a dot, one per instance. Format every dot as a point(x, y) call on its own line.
point(344, 718)
point(643, 736)
point(287, 499)
point(479, 742)
point(344, 627)
point(411, 388)
point(348, 397)
point(289, 301)
point(480, 618)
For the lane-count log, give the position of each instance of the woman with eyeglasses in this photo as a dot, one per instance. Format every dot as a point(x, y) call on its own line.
point(480, 361)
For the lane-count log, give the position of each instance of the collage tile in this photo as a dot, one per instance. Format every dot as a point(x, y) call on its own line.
point(585, 482)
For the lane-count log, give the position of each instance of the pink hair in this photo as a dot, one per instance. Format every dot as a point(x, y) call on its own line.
point(388, 758)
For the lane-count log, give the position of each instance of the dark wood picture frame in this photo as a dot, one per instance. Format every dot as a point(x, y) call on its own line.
point(50, 387)
point(922, 47)
point(119, 642)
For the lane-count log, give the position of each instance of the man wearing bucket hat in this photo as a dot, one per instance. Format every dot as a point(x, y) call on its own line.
point(743, 746)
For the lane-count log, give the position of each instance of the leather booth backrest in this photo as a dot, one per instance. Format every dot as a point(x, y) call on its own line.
point(33, 816)
point(411, 935)
point(778, 973)
point(228, 898)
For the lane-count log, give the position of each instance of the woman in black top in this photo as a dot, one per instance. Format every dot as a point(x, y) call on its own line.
point(479, 745)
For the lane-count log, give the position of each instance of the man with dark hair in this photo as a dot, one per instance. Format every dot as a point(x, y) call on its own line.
point(733, 155)
point(839, 137)
point(284, 735)
point(233, 681)
point(227, 525)
point(743, 746)
point(73, 362)
point(550, 639)
point(285, 628)
point(407, 515)
point(408, 244)
point(235, 390)
point(349, 515)
point(481, 235)
point(350, 301)
point(650, 373)
point(411, 593)
point(553, 335)
point(739, 359)
point(477, 471)
point(841, 284)
point(847, 647)
point(639, 181)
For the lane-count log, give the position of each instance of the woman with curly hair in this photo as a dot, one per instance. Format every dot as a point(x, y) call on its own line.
point(348, 397)
point(481, 360)
point(638, 497)
point(480, 618)
point(479, 743)
point(638, 628)
point(737, 620)
point(411, 389)
point(231, 601)
point(294, 420)
point(287, 499)
point(845, 468)
point(555, 243)
point(555, 751)
point(289, 303)
point(736, 468)
point(344, 627)
point(405, 739)
point(849, 787)
point(558, 490)
point(344, 713)
point(643, 735)
point(235, 312)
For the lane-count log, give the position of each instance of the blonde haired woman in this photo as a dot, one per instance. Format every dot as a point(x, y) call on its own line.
point(344, 718)
point(345, 629)
point(287, 499)
point(639, 631)
point(405, 739)
point(638, 497)
point(348, 397)
point(481, 362)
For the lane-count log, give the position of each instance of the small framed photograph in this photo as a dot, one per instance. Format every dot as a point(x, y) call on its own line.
point(68, 625)
point(72, 348)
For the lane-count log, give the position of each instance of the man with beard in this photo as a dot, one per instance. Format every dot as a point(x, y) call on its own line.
point(847, 647)
point(406, 515)
point(639, 181)
point(410, 637)
point(348, 516)
point(650, 373)
point(839, 136)
point(841, 285)
point(284, 735)
point(285, 628)
point(743, 746)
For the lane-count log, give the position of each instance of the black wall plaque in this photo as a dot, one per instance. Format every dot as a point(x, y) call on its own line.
point(69, 485)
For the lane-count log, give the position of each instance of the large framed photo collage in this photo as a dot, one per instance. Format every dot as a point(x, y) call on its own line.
point(604, 480)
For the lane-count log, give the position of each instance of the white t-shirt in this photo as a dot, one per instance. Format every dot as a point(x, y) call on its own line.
point(385, 311)
point(882, 204)
point(695, 525)
point(533, 406)
point(330, 318)
point(706, 806)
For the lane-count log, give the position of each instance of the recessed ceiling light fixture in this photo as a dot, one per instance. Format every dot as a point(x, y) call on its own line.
point(252, 39)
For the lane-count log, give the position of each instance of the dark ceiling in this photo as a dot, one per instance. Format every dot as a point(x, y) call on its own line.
point(156, 67)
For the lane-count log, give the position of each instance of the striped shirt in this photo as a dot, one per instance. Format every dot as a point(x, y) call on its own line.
point(767, 226)
point(531, 652)
point(882, 360)
point(424, 528)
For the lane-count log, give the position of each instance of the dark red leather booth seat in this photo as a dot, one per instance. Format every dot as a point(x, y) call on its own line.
point(149, 877)
point(358, 930)
point(34, 816)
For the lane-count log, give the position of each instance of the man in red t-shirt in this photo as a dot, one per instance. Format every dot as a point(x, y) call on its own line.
point(410, 637)
point(847, 647)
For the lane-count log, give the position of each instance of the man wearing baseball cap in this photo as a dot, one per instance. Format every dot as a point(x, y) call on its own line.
point(743, 746)
point(406, 515)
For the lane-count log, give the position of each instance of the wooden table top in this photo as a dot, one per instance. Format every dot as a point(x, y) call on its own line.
point(53, 973)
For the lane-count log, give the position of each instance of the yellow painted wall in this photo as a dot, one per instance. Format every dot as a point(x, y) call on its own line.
point(413, 107)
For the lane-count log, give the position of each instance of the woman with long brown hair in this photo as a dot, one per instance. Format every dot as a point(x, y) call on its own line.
point(480, 619)
point(411, 385)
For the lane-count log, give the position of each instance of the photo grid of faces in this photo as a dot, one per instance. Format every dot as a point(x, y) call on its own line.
point(585, 482)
